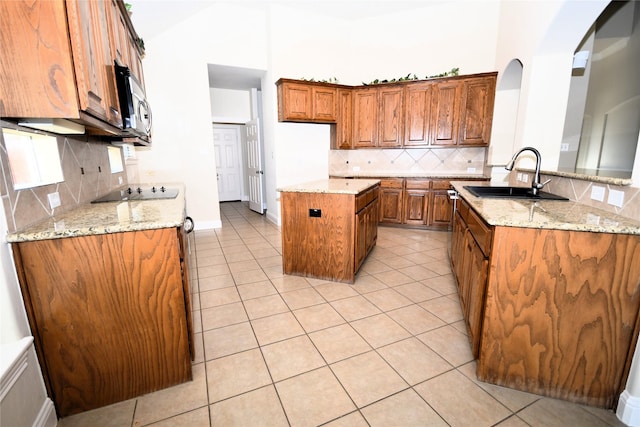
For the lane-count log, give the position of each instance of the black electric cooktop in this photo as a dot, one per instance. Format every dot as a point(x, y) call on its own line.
point(139, 193)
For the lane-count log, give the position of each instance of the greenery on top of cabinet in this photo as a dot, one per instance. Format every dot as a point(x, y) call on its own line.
point(410, 77)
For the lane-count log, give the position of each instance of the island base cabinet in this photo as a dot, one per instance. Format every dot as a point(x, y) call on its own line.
point(108, 315)
point(561, 313)
point(328, 235)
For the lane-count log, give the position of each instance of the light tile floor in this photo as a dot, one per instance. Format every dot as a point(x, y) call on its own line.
point(275, 350)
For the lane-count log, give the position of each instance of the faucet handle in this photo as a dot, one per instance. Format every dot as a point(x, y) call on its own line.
point(539, 185)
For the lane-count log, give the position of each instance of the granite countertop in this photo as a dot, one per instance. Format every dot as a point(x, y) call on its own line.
point(549, 214)
point(109, 217)
point(448, 175)
point(336, 186)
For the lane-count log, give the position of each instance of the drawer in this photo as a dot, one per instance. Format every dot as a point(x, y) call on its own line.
point(366, 197)
point(463, 208)
point(480, 231)
point(391, 182)
point(441, 185)
point(418, 184)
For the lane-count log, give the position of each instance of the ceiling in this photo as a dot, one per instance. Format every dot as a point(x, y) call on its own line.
point(225, 77)
point(151, 17)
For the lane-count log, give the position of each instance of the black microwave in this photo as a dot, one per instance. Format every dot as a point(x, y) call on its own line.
point(135, 110)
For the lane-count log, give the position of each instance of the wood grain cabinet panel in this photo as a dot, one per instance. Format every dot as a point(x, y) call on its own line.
point(551, 312)
point(295, 101)
point(445, 119)
point(562, 319)
point(108, 313)
point(391, 200)
point(365, 117)
point(417, 201)
point(59, 61)
point(453, 111)
point(391, 127)
point(441, 209)
point(477, 111)
point(300, 101)
point(418, 98)
point(342, 131)
point(328, 235)
point(95, 76)
point(36, 71)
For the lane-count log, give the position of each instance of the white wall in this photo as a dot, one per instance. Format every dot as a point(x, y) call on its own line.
point(177, 86)
point(294, 42)
point(230, 106)
point(543, 36)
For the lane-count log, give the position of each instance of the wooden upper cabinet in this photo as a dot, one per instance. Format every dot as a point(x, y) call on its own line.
point(324, 105)
point(342, 132)
point(417, 118)
point(58, 60)
point(95, 76)
point(306, 102)
point(445, 113)
point(391, 125)
point(124, 46)
point(477, 111)
point(365, 117)
point(120, 35)
point(453, 111)
point(36, 71)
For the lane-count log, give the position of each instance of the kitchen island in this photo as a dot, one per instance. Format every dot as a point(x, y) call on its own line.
point(550, 292)
point(106, 291)
point(328, 227)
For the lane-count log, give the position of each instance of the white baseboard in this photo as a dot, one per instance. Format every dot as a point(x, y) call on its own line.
point(629, 409)
point(273, 218)
point(207, 225)
point(47, 415)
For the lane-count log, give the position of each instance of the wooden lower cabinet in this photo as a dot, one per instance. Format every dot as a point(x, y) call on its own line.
point(422, 203)
point(470, 268)
point(391, 200)
point(551, 312)
point(417, 201)
point(328, 235)
point(108, 314)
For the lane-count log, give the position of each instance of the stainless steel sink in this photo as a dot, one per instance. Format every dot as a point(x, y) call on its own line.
point(511, 193)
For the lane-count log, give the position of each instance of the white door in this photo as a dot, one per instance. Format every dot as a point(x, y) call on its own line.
point(254, 167)
point(226, 142)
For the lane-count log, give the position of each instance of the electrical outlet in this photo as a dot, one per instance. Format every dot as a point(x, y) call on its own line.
point(597, 193)
point(119, 180)
point(525, 177)
point(616, 198)
point(471, 170)
point(54, 200)
point(564, 146)
point(356, 168)
point(519, 176)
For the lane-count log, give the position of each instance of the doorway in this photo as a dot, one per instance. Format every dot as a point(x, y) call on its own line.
point(227, 143)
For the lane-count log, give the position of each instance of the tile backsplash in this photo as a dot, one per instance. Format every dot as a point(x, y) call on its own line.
point(580, 190)
point(463, 161)
point(87, 175)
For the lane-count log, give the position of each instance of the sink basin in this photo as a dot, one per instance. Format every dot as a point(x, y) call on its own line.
point(511, 193)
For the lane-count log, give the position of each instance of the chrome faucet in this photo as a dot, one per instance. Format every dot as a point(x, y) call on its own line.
point(535, 184)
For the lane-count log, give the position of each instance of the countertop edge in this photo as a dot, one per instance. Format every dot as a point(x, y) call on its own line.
point(331, 186)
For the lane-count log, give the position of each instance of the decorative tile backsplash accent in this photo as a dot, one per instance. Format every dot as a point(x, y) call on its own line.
point(580, 191)
point(464, 161)
point(87, 175)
